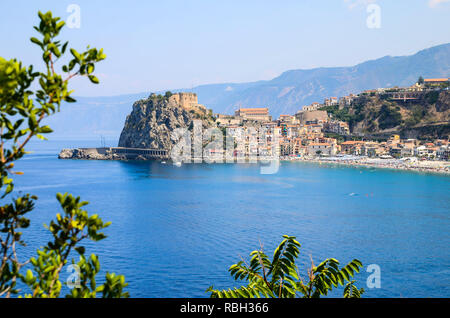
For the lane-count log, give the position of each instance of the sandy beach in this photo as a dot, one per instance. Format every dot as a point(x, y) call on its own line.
point(441, 167)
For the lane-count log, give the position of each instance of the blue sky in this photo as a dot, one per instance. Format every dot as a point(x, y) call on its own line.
point(154, 45)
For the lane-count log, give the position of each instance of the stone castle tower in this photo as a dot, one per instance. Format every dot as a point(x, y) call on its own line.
point(188, 101)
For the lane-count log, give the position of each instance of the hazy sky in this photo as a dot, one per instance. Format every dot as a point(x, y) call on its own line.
point(153, 45)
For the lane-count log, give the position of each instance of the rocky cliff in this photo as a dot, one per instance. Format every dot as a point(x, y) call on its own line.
point(427, 117)
point(153, 119)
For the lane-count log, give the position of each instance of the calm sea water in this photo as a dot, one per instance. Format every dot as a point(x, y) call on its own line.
point(176, 230)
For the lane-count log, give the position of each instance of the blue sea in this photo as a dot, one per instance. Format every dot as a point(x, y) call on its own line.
point(176, 230)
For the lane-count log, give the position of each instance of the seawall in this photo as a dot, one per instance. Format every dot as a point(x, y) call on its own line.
point(114, 153)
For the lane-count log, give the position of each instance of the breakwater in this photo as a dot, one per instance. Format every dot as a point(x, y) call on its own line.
point(114, 153)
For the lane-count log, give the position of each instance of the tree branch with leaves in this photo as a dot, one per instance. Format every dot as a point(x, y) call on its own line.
point(280, 278)
point(22, 111)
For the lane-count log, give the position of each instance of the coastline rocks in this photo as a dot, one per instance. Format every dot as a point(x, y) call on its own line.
point(88, 154)
point(66, 154)
point(78, 153)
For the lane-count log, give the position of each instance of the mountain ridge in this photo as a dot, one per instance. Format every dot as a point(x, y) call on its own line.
point(284, 94)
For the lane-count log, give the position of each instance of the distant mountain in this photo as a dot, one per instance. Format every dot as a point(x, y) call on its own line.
point(290, 91)
point(93, 117)
point(285, 94)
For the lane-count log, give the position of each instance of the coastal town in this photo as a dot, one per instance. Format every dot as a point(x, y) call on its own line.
point(251, 134)
point(313, 135)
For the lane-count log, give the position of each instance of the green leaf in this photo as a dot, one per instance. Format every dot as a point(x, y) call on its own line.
point(36, 41)
point(80, 250)
point(29, 276)
point(75, 54)
point(45, 130)
point(94, 79)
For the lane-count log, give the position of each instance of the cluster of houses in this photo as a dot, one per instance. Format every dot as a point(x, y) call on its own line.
point(395, 147)
point(304, 134)
point(412, 92)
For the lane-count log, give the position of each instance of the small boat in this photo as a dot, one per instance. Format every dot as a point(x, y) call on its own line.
point(163, 162)
point(178, 164)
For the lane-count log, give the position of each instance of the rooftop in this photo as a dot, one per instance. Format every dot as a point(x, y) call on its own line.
point(253, 109)
point(436, 80)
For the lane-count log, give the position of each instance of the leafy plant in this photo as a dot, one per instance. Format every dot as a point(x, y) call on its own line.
point(280, 278)
point(22, 110)
point(351, 291)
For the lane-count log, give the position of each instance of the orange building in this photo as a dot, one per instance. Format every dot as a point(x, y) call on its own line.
point(260, 114)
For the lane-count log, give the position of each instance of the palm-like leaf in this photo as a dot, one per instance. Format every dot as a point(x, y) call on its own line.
point(280, 278)
point(351, 291)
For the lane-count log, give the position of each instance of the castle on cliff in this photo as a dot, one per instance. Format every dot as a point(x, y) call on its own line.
point(188, 101)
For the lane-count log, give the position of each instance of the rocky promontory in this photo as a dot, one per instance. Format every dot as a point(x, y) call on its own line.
point(147, 130)
point(153, 119)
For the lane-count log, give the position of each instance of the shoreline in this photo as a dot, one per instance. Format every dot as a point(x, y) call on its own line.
point(425, 166)
point(434, 167)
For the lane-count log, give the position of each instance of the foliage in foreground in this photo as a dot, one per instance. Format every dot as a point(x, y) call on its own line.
point(280, 277)
point(21, 112)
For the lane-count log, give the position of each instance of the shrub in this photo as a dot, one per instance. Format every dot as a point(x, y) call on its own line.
point(26, 98)
point(280, 278)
